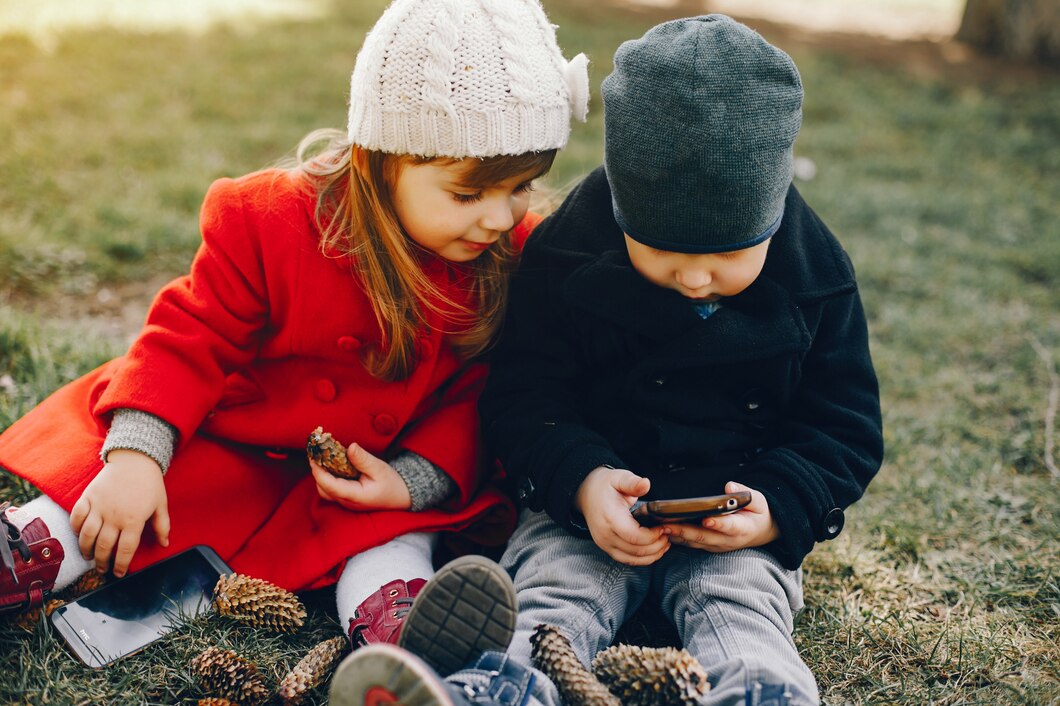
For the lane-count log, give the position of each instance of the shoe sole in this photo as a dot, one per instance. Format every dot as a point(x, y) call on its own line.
point(381, 674)
point(469, 607)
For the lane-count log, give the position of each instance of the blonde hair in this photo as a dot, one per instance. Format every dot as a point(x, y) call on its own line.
point(356, 218)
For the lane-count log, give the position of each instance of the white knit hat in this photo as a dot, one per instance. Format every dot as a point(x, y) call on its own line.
point(465, 78)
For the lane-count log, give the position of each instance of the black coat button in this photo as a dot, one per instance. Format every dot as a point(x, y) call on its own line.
point(833, 523)
point(526, 490)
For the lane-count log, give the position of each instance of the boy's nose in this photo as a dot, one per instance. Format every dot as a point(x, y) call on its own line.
point(693, 278)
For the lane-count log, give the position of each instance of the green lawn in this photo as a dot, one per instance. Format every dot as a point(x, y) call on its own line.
point(941, 183)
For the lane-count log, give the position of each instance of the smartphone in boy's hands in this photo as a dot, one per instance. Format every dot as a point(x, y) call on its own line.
point(125, 616)
point(694, 510)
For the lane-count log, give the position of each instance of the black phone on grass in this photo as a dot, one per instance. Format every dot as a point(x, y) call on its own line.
point(123, 617)
point(657, 512)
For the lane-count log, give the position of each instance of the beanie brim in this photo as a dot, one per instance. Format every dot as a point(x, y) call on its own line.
point(516, 130)
point(691, 245)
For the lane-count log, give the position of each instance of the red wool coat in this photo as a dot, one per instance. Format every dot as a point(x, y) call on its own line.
point(245, 355)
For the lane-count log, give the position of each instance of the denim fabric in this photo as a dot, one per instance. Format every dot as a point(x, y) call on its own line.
point(733, 611)
point(493, 679)
point(769, 695)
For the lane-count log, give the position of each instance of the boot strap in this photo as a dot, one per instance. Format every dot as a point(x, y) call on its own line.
point(14, 540)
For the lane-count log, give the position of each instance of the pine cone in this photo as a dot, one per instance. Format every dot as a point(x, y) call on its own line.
point(214, 701)
point(225, 673)
point(258, 602)
point(313, 670)
point(651, 676)
point(330, 454)
point(554, 656)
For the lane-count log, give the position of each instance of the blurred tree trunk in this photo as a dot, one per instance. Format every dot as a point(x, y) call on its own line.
point(1021, 29)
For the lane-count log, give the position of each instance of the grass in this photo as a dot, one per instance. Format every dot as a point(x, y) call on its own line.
point(943, 589)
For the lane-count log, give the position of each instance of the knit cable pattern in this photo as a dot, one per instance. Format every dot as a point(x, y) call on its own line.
point(441, 43)
point(460, 78)
point(510, 21)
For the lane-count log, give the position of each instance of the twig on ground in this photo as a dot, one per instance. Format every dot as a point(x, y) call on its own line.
point(1054, 400)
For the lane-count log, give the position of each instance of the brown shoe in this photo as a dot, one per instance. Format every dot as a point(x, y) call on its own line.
point(380, 617)
point(29, 563)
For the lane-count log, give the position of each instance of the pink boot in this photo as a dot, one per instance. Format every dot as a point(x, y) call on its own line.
point(380, 617)
point(29, 563)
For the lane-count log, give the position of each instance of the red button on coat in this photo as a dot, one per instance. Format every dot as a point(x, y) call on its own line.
point(384, 424)
point(325, 390)
point(349, 343)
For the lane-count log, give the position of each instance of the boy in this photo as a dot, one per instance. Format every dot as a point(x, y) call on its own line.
point(682, 325)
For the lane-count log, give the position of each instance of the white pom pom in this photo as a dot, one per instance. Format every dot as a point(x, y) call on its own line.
point(805, 169)
point(577, 75)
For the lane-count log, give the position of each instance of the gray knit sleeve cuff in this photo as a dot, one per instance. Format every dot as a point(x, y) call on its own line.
point(143, 432)
point(428, 485)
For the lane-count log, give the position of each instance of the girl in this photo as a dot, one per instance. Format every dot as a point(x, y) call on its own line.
point(352, 292)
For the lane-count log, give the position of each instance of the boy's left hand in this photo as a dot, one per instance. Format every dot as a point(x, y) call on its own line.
point(751, 526)
point(379, 487)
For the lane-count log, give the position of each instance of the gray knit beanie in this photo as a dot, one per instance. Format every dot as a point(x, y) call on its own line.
point(700, 116)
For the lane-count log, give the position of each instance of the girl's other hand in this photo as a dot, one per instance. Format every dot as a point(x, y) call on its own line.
point(110, 515)
point(751, 526)
point(379, 487)
point(604, 498)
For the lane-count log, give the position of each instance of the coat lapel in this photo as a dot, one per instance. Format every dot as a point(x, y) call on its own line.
point(609, 287)
point(762, 321)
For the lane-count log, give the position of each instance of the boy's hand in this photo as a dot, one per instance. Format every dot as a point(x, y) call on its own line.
point(379, 487)
point(752, 526)
point(604, 498)
point(110, 515)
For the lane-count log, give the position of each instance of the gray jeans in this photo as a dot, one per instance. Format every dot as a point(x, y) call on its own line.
point(732, 611)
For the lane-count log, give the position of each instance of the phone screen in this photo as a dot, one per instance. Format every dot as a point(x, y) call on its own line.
point(130, 613)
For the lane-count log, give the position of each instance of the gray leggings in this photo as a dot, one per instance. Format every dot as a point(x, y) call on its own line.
point(732, 611)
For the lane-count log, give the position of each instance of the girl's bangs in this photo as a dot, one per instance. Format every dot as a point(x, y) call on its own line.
point(483, 172)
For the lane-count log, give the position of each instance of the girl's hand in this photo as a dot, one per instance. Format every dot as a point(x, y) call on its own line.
point(110, 515)
point(751, 526)
point(379, 487)
point(604, 498)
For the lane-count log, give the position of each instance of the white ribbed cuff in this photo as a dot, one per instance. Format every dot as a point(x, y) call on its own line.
point(514, 130)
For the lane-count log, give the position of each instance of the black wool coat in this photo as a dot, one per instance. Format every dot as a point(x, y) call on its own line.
point(597, 366)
